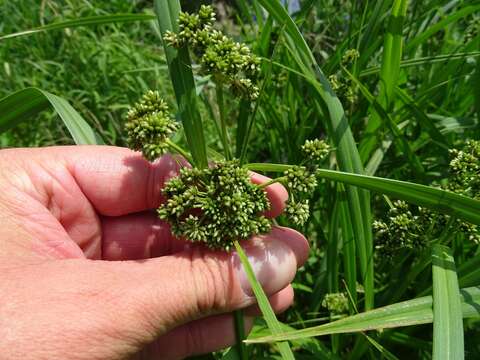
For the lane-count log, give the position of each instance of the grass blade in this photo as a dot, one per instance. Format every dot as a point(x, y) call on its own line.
point(467, 10)
point(405, 313)
point(350, 260)
point(445, 202)
point(25, 104)
point(179, 65)
point(263, 303)
point(447, 307)
point(401, 143)
point(85, 21)
point(424, 61)
point(389, 71)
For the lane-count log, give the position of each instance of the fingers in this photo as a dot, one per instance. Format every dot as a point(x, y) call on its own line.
point(137, 236)
point(164, 293)
point(276, 193)
point(118, 181)
point(116, 307)
point(195, 338)
point(212, 333)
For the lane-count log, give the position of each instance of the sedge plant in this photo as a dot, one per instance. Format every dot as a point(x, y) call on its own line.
point(218, 206)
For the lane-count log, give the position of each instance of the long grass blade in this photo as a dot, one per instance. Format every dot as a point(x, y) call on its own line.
point(445, 202)
point(389, 71)
point(383, 115)
point(424, 61)
point(25, 104)
point(447, 307)
point(263, 303)
point(467, 10)
point(405, 313)
point(85, 21)
point(179, 65)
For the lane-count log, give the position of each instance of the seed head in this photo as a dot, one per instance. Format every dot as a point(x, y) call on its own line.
point(401, 230)
point(227, 61)
point(465, 170)
point(148, 125)
point(336, 303)
point(300, 179)
point(215, 206)
point(316, 150)
point(350, 56)
point(297, 212)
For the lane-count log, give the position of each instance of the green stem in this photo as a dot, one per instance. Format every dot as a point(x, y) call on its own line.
point(179, 150)
point(223, 122)
point(273, 181)
point(240, 334)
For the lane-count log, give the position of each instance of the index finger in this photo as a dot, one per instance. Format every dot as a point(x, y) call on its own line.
point(118, 181)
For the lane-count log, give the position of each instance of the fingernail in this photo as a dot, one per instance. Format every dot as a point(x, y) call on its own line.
point(274, 264)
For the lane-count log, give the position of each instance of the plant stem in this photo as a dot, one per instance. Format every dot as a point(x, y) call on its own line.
point(240, 334)
point(179, 150)
point(272, 181)
point(223, 123)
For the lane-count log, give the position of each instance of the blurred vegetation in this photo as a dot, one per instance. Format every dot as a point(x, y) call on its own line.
point(100, 70)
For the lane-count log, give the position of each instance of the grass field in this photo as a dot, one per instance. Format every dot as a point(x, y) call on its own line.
point(392, 85)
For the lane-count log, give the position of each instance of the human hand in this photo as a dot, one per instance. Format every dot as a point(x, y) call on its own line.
point(67, 212)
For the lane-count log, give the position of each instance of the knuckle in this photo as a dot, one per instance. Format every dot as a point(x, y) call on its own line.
point(212, 282)
point(194, 339)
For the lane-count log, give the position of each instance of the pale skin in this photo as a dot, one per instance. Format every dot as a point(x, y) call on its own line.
point(87, 271)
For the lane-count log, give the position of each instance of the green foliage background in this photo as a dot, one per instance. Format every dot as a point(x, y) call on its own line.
point(411, 95)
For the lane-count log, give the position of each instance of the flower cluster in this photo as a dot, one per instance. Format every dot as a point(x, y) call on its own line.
point(402, 230)
point(465, 170)
point(297, 212)
point(472, 30)
point(228, 61)
point(336, 303)
point(343, 86)
point(316, 150)
point(149, 125)
point(301, 181)
point(215, 206)
point(350, 56)
point(411, 227)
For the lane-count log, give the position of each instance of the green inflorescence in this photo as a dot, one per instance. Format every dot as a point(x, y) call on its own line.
point(412, 227)
point(215, 206)
point(316, 150)
point(149, 125)
point(298, 212)
point(336, 303)
point(402, 230)
point(341, 84)
point(301, 181)
point(218, 205)
point(227, 61)
point(465, 170)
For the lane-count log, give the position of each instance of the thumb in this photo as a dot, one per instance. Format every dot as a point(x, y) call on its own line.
point(196, 283)
point(113, 308)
